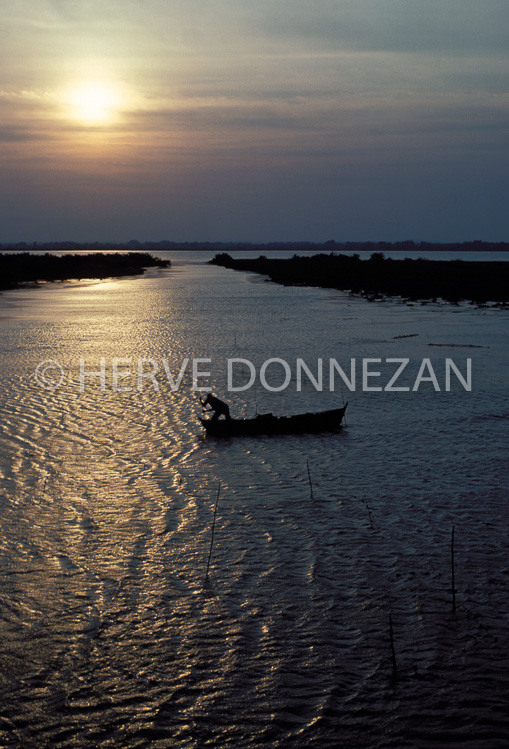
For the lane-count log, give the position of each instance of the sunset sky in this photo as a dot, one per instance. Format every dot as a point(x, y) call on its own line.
point(267, 120)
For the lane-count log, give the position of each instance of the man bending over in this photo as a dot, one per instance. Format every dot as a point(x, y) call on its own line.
point(217, 406)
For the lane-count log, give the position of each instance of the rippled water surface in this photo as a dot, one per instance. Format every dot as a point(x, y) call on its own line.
point(110, 634)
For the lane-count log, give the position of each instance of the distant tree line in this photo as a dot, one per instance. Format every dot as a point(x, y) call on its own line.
point(408, 245)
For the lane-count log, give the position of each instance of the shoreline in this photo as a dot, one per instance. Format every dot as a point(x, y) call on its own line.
point(25, 270)
point(413, 280)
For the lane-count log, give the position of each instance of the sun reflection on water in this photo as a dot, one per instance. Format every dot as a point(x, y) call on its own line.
point(106, 528)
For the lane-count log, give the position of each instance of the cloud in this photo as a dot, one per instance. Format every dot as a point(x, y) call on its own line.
point(335, 95)
point(214, 47)
point(27, 96)
point(454, 26)
point(15, 135)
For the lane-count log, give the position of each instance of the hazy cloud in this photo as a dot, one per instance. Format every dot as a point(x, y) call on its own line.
point(452, 26)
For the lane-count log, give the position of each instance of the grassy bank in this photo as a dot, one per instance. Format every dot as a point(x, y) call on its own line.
point(413, 279)
point(24, 268)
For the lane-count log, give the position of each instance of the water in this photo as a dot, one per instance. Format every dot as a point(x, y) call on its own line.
point(110, 635)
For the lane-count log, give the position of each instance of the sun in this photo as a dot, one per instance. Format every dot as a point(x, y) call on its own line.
point(95, 103)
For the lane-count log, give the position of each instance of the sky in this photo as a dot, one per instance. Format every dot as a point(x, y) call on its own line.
point(229, 120)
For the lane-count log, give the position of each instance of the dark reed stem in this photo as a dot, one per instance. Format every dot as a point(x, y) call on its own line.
point(213, 528)
point(368, 509)
point(393, 652)
point(343, 398)
point(452, 573)
point(309, 477)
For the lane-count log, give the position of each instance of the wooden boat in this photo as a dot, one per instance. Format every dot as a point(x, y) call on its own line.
point(325, 421)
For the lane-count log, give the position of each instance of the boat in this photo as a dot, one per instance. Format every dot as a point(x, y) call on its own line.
point(324, 421)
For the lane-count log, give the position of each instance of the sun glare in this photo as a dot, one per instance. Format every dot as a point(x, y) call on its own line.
point(95, 103)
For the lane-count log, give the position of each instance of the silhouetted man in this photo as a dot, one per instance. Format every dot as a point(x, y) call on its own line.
point(218, 407)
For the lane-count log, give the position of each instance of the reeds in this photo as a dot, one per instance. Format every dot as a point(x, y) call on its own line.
point(393, 652)
point(367, 508)
point(452, 573)
point(213, 528)
point(309, 479)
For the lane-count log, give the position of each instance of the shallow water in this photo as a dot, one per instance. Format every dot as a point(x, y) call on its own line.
point(110, 634)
